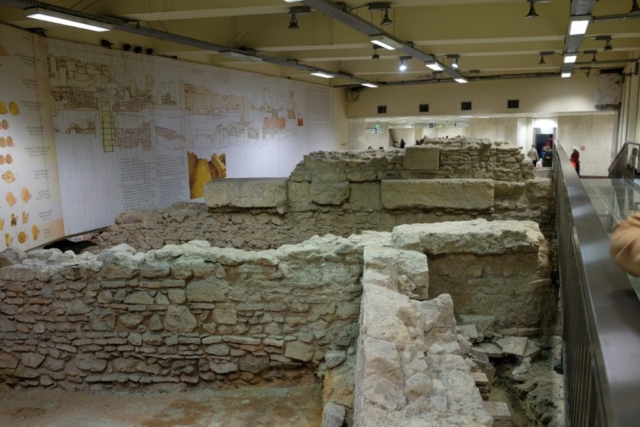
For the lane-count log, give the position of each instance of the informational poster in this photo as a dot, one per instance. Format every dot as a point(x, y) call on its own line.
point(135, 131)
point(30, 202)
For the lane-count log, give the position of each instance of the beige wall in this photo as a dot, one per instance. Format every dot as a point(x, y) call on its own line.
point(540, 96)
point(593, 132)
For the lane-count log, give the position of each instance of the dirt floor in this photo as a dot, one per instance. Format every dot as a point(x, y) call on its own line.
point(252, 406)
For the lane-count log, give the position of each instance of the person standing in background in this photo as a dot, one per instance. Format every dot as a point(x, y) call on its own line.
point(533, 155)
point(402, 143)
point(575, 159)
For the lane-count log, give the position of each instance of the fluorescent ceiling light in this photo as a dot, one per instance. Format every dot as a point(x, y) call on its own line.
point(385, 42)
point(321, 74)
point(566, 75)
point(371, 85)
point(570, 59)
point(64, 19)
point(579, 25)
point(291, 1)
point(241, 56)
point(460, 80)
point(434, 66)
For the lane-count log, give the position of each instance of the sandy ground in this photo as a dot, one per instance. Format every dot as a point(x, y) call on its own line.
point(251, 406)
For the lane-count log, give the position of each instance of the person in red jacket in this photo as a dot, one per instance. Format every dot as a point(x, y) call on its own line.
point(575, 159)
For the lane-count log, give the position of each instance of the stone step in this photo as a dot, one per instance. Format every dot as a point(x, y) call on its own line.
point(500, 413)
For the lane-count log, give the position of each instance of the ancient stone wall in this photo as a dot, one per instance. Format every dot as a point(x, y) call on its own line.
point(179, 314)
point(348, 192)
point(190, 313)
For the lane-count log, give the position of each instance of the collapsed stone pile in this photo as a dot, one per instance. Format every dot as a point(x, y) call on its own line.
point(348, 192)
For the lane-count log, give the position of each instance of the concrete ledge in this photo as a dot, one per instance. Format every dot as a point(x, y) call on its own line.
point(469, 194)
point(422, 158)
point(246, 193)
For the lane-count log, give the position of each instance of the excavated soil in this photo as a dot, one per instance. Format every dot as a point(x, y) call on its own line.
point(295, 406)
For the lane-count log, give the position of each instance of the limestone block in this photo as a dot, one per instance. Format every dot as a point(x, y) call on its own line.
point(423, 158)
point(472, 194)
point(513, 345)
point(333, 415)
point(32, 360)
point(299, 351)
point(498, 410)
point(365, 197)
point(334, 358)
point(509, 190)
point(329, 193)
point(246, 193)
point(11, 256)
point(210, 290)
point(253, 364)
point(480, 237)
point(299, 196)
point(179, 319)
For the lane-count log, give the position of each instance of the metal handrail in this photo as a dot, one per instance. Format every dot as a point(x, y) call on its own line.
point(618, 166)
point(600, 312)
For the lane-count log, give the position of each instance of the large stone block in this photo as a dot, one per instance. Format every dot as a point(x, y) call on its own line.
point(422, 158)
point(479, 237)
point(299, 196)
point(365, 197)
point(329, 193)
point(472, 194)
point(246, 193)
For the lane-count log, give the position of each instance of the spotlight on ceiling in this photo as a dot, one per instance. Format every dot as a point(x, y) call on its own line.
point(456, 61)
point(149, 51)
point(543, 54)
point(607, 45)
point(293, 24)
point(106, 43)
point(126, 47)
point(137, 49)
point(385, 19)
point(592, 52)
point(375, 53)
point(634, 7)
point(588, 73)
point(371, 85)
point(532, 11)
point(403, 66)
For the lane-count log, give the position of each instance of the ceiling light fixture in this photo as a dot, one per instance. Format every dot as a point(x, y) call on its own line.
point(106, 43)
point(386, 42)
point(634, 7)
point(385, 19)
point(566, 75)
point(403, 66)
point(322, 74)
point(64, 19)
point(291, 1)
point(434, 65)
point(570, 59)
point(371, 85)
point(375, 53)
point(461, 80)
point(532, 11)
point(293, 23)
point(541, 60)
point(592, 52)
point(137, 49)
point(455, 64)
point(607, 45)
point(241, 56)
point(579, 25)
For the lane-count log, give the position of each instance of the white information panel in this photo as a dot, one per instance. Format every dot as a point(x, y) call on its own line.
point(30, 203)
point(138, 131)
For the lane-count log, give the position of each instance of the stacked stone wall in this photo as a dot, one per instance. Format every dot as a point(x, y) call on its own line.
point(191, 313)
point(185, 314)
point(344, 193)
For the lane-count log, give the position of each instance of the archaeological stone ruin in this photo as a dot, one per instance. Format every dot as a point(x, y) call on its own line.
point(413, 284)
